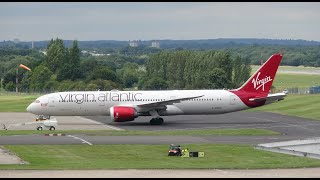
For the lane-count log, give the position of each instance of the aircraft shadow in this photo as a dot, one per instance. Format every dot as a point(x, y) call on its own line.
point(168, 123)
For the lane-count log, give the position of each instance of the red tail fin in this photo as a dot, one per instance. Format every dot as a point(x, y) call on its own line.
point(261, 81)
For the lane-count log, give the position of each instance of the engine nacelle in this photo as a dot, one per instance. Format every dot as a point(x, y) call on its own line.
point(122, 113)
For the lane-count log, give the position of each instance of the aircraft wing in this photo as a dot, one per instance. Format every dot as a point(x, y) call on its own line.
point(270, 98)
point(162, 104)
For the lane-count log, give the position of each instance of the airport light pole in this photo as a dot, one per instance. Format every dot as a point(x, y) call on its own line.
point(17, 79)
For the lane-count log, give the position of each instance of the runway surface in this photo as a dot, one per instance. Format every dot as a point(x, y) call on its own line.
point(286, 125)
point(291, 128)
point(64, 122)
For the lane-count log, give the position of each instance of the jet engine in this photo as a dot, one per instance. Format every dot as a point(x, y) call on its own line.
point(122, 113)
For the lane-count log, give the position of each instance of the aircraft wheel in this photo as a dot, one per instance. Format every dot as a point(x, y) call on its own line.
point(152, 121)
point(39, 128)
point(156, 121)
point(52, 128)
point(160, 121)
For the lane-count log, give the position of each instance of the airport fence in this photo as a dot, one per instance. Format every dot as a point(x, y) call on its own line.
point(310, 90)
point(8, 93)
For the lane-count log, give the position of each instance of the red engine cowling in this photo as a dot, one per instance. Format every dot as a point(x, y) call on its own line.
point(122, 113)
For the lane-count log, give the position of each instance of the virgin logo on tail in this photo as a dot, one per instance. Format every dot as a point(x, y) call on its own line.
point(257, 83)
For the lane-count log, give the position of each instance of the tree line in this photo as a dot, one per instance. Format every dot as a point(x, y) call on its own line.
point(293, 55)
point(189, 69)
point(63, 69)
point(66, 68)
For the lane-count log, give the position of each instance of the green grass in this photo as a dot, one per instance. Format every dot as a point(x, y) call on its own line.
point(283, 81)
point(17, 103)
point(307, 106)
point(203, 132)
point(151, 157)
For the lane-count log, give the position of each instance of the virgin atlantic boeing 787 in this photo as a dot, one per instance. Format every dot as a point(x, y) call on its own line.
point(127, 105)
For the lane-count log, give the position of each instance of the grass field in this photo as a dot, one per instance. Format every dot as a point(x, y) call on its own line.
point(202, 132)
point(307, 106)
point(17, 103)
point(283, 81)
point(151, 157)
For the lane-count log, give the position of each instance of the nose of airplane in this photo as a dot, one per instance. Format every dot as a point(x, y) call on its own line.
point(33, 108)
point(29, 108)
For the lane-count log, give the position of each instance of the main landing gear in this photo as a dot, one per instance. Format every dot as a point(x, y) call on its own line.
point(156, 121)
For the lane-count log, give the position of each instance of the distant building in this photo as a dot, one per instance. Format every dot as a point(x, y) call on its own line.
point(155, 44)
point(43, 52)
point(133, 43)
point(96, 54)
point(93, 53)
point(32, 45)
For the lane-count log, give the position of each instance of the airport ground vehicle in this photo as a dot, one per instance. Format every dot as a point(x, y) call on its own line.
point(174, 150)
point(49, 124)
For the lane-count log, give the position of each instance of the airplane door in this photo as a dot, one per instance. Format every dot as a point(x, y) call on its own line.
point(233, 99)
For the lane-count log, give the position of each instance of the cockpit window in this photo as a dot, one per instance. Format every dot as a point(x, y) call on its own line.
point(36, 101)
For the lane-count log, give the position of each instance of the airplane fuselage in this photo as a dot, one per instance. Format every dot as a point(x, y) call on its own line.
point(98, 103)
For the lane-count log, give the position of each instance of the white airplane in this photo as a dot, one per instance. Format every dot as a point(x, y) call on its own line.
point(125, 106)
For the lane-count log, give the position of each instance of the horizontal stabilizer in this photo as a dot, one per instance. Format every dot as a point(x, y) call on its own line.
point(257, 99)
point(270, 98)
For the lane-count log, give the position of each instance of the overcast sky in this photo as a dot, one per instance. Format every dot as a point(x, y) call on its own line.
point(29, 21)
